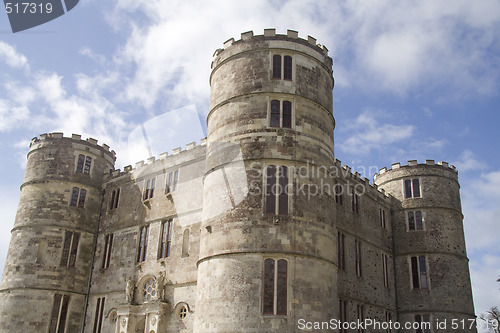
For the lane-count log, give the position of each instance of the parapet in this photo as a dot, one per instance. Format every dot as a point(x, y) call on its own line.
point(414, 163)
point(76, 138)
point(270, 34)
point(160, 161)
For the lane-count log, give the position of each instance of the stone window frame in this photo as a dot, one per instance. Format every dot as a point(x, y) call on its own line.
point(282, 56)
point(385, 269)
point(108, 246)
point(182, 310)
point(341, 263)
point(115, 198)
point(149, 188)
point(409, 186)
point(165, 239)
point(280, 296)
point(360, 314)
point(142, 244)
point(78, 196)
point(98, 315)
point(358, 258)
point(281, 100)
point(388, 319)
point(383, 218)
point(415, 269)
point(277, 197)
point(343, 314)
point(421, 318)
point(70, 249)
point(339, 194)
point(84, 164)
point(355, 202)
point(59, 313)
point(171, 181)
point(415, 220)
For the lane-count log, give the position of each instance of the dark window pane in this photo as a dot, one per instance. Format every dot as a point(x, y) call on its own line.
point(423, 272)
point(176, 180)
point(146, 191)
point(96, 316)
point(407, 188)
point(81, 201)
point(66, 246)
point(112, 201)
point(275, 113)
point(74, 249)
point(411, 221)
point(287, 68)
point(287, 114)
point(416, 188)
point(117, 198)
point(101, 313)
point(414, 272)
point(169, 237)
point(281, 288)
point(54, 318)
point(74, 196)
point(64, 312)
point(268, 306)
point(283, 191)
point(105, 251)
point(88, 162)
point(271, 190)
point(276, 66)
point(79, 165)
point(418, 218)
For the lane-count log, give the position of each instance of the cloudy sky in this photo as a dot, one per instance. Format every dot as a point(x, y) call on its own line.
point(414, 80)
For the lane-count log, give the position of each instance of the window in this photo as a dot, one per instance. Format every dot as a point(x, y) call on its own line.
point(355, 203)
point(281, 114)
point(339, 194)
point(385, 269)
point(173, 179)
point(425, 323)
point(143, 243)
point(185, 244)
point(59, 314)
point(360, 312)
point(115, 196)
point(70, 249)
point(388, 319)
point(341, 251)
point(149, 189)
point(108, 244)
point(78, 197)
point(275, 287)
point(165, 239)
point(412, 188)
point(284, 67)
point(99, 312)
point(357, 256)
point(276, 195)
point(342, 315)
point(419, 272)
point(415, 220)
point(149, 290)
point(182, 312)
point(382, 217)
point(83, 164)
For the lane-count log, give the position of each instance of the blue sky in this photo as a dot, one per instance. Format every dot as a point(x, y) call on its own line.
point(414, 80)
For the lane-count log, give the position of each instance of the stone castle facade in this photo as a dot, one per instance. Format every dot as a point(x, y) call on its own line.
point(257, 229)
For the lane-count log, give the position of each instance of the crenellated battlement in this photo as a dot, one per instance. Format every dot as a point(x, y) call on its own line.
point(270, 34)
point(414, 163)
point(37, 143)
point(161, 160)
point(347, 173)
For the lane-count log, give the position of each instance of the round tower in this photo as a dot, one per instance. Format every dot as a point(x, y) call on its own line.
point(431, 265)
point(46, 275)
point(266, 258)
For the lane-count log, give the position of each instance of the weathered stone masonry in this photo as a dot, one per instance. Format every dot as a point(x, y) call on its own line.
point(197, 241)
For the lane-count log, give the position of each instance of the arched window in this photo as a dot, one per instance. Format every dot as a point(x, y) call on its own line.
point(276, 195)
point(149, 290)
point(282, 67)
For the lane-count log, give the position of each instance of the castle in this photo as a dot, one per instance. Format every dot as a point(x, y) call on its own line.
point(259, 228)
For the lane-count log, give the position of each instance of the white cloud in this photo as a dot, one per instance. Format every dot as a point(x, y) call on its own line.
point(11, 57)
point(11, 115)
point(367, 133)
point(468, 161)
